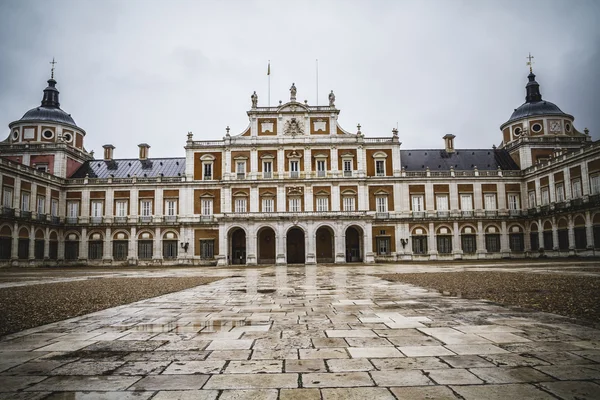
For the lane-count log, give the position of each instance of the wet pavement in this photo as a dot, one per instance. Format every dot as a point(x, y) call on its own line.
point(306, 332)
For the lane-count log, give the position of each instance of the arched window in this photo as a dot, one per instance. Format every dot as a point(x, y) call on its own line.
point(5, 243)
point(563, 234)
point(444, 240)
point(580, 233)
point(95, 246)
point(120, 246)
point(72, 246)
point(516, 239)
point(548, 239)
point(468, 240)
point(170, 245)
point(145, 246)
point(492, 239)
point(419, 241)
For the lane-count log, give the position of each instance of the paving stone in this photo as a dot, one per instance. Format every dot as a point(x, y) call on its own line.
point(14, 383)
point(571, 372)
point(341, 379)
point(357, 394)
point(408, 363)
point(35, 367)
point(186, 395)
point(305, 366)
point(227, 344)
point(166, 356)
point(85, 383)
point(252, 381)
point(593, 355)
point(426, 392)
point(359, 364)
point(573, 390)
point(422, 340)
point(229, 355)
point(512, 360)
point(194, 367)
point(323, 353)
point(185, 345)
point(254, 394)
point(478, 349)
point(452, 376)
point(329, 342)
point(425, 351)
point(170, 382)
point(299, 394)
point(368, 342)
point(562, 358)
point(510, 375)
point(348, 333)
point(87, 368)
point(274, 354)
point(142, 368)
point(503, 337)
point(254, 367)
point(100, 395)
point(502, 392)
point(406, 377)
point(468, 361)
point(374, 352)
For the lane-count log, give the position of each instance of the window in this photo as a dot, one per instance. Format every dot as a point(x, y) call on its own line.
point(53, 250)
point(469, 244)
point(267, 169)
point(38, 249)
point(419, 244)
point(7, 198)
point(268, 205)
point(576, 184)
point(73, 209)
point(380, 167)
point(146, 208)
point(54, 207)
point(145, 249)
point(120, 250)
point(492, 242)
point(349, 203)
point(347, 167)
point(516, 242)
point(25, 196)
point(207, 249)
point(5, 248)
point(490, 201)
point(441, 202)
point(71, 250)
point(295, 204)
point(514, 201)
point(121, 208)
point(294, 168)
point(560, 192)
point(444, 244)
point(545, 196)
point(381, 204)
point(96, 208)
point(383, 246)
point(207, 171)
point(548, 240)
point(240, 169)
point(169, 249)
point(240, 205)
point(42, 167)
point(95, 249)
point(595, 184)
point(41, 205)
point(563, 239)
point(417, 203)
point(322, 204)
point(207, 207)
point(321, 168)
point(531, 195)
point(171, 208)
point(580, 238)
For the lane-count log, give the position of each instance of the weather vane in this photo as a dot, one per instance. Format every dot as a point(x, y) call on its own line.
point(530, 62)
point(52, 70)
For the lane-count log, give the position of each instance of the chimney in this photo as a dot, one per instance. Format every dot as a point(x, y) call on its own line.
point(143, 151)
point(449, 142)
point(108, 152)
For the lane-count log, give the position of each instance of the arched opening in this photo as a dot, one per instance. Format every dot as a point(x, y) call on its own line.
point(72, 246)
point(169, 246)
point(548, 238)
point(266, 246)
point(580, 233)
point(444, 240)
point(516, 239)
point(563, 234)
point(39, 244)
point(295, 246)
point(53, 246)
point(354, 244)
point(418, 237)
point(145, 246)
point(596, 228)
point(492, 239)
point(23, 245)
point(5, 243)
point(95, 246)
point(468, 240)
point(237, 246)
point(534, 238)
point(325, 245)
point(120, 250)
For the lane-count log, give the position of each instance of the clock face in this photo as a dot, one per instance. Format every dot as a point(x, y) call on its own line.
point(555, 126)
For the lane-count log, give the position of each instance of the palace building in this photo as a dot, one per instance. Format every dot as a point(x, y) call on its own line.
point(296, 187)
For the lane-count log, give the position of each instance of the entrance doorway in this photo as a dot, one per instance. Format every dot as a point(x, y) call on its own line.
point(325, 245)
point(237, 242)
point(295, 246)
point(266, 246)
point(354, 244)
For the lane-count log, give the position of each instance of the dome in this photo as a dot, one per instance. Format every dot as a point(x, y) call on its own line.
point(536, 108)
point(51, 114)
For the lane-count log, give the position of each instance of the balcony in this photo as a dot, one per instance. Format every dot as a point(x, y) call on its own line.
point(8, 212)
point(443, 214)
point(145, 219)
point(491, 213)
point(240, 176)
point(170, 219)
point(40, 217)
point(207, 178)
point(347, 174)
point(120, 220)
point(514, 213)
point(71, 220)
point(418, 214)
point(55, 220)
point(207, 218)
point(467, 214)
point(380, 173)
point(26, 214)
point(267, 174)
point(96, 220)
point(382, 215)
point(321, 174)
point(294, 174)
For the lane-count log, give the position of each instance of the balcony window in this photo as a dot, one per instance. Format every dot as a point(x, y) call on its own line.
point(576, 185)
point(294, 169)
point(145, 248)
point(95, 249)
point(381, 203)
point(347, 168)
point(322, 204)
point(54, 207)
point(349, 203)
point(321, 168)
point(240, 205)
point(531, 196)
point(267, 169)
point(490, 201)
point(444, 244)
point(73, 209)
point(492, 242)
point(41, 205)
point(207, 249)
point(146, 208)
point(563, 239)
point(418, 203)
point(383, 246)
point(120, 250)
point(169, 249)
point(469, 243)
point(295, 204)
point(240, 169)
point(466, 203)
point(268, 205)
point(441, 202)
point(514, 202)
point(580, 238)
point(7, 197)
point(419, 244)
point(207, 207)
point(548, 240)
point(379, 167)
point(96, 209)
point(71, 250)
point(25, 199)
point(560, 192)
point(595, 184)
point(545, 196)
point(121, 208)
point(207, 171)
point(516, 242)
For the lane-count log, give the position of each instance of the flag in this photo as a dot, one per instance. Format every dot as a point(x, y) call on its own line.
point(269, 69)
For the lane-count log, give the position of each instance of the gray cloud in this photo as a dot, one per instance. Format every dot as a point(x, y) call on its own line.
point(150, 71)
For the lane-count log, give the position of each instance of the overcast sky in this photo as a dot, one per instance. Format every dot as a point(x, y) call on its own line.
point(150, 71)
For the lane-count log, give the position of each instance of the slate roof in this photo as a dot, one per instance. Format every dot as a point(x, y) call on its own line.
point(536, 108)
point(52, 114)
point(460, 159)
point(127, 168)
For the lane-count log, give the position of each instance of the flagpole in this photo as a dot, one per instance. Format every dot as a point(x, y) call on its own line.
point(269, 75)
point(317, 82)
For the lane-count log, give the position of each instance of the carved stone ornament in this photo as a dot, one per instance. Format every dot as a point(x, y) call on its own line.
point(294, 190)
point(293, 127)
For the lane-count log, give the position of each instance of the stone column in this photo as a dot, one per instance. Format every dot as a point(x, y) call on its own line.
point(280, 244)
point(107, 253)
point(540, 234)
point(253, 163)
point(223, 246)
point(47, 243)
point(456, 245)
point(571, 235)
point(31, 242)
point(133, 247)
point(504, 243)
point(481, 250)
point(432, 245)
point(156, 245)
point(554, 234)
point(310, 244)
point(83, 244)
point(589, 230)
point(227, 166)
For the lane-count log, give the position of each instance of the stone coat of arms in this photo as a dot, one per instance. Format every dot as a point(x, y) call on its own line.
point(293, 127)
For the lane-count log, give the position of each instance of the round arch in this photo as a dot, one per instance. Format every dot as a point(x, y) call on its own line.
point(237, 243)
point(354, 243)
point(325, 244)
point(295, 239)
point(5, 242)
point(266, 245)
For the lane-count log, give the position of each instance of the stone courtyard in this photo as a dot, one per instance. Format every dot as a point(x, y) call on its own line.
point(306, 332)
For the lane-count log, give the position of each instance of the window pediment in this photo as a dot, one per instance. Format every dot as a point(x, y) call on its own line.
point(207, 158)
point(294, 154)
point(349, 192)
point(268, 156)
point(380, 154)
point(381, 192)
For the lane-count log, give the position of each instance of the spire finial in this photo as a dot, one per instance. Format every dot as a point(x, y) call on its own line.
point(52, 70)
point(530, 62)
